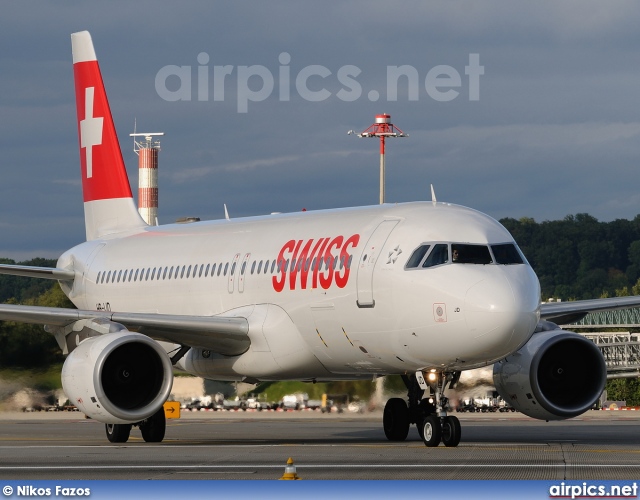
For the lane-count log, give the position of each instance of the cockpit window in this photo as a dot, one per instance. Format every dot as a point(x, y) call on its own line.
point(439, 255)
point(417, 256)
point(506, 253)
point(470, 254)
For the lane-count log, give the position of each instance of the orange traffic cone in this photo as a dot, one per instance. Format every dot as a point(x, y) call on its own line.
point(289, 471)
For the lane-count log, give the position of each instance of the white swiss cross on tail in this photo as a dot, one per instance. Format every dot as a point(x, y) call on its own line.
point(90, 130)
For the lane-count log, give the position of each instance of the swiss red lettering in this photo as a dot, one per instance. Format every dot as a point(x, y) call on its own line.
point(326, 277)
point(341, 281)
point(278, 283)
point(298, 262)
point(327, 258)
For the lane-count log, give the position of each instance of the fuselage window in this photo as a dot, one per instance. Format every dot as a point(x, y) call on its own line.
point(98, 278)
point(273, 266)
point(293, 264)
point(342, 262)
point(130, 275)
point(300, 262)
point(213, 270)
point(279, 266)
point(184, 268)
point(470, 254)
point(226, 268)
point(335, 263)
point(438, 255)
point(286, 265)
point(219, 269)
point(233, 269)
point(417, 256)
point(253, 266)
point(153, 274)
point(349, 261)
point(146, 276)
point(206, 271)
point(135, 276)
point(109, 277)
point(244, 266)
point(189, 271)
point(507, 253)
point(201, 269)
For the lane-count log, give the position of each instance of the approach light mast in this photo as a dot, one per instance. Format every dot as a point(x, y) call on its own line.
point(382, 128)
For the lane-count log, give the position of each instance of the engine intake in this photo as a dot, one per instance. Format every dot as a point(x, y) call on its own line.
point(117, 378)
point(556, 375)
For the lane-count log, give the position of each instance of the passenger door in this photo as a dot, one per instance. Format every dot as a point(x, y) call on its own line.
point(367, 263)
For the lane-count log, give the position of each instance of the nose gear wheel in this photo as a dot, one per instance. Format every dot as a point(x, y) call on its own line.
point(428, 414)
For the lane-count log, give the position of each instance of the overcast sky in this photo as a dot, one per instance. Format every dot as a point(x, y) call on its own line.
point(548, 127)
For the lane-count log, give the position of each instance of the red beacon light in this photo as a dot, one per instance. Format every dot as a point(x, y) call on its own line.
point(382, 128)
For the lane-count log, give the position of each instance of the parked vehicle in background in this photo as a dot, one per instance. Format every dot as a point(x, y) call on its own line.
point(314, 404)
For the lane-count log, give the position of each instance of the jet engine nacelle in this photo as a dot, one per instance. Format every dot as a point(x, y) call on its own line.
point(118, 378)
point(556, 375)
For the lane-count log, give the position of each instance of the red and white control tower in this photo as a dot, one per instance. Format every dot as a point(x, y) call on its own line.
point(147, 150)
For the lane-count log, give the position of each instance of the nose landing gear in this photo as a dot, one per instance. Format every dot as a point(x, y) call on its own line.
point(428, 414)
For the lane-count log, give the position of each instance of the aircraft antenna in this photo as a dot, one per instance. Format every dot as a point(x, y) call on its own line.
point(381, 128)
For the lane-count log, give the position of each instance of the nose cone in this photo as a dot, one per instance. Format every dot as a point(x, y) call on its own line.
point(501, 310)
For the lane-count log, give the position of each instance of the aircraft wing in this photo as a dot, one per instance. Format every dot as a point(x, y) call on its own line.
point(51, 273)
point(569, 312)
point(223, 335)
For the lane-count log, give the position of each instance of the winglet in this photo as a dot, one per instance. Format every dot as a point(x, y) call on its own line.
point(433, 194)
point(108, 202)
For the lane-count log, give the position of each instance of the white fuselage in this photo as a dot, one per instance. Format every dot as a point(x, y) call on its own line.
point(308, 321)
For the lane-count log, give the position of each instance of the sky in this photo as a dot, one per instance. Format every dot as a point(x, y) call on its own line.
point(515, 109)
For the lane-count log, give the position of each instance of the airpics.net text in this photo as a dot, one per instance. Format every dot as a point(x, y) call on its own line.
point(257, 83)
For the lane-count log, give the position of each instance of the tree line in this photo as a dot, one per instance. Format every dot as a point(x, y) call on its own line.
point(24, 345)
point(579, 257)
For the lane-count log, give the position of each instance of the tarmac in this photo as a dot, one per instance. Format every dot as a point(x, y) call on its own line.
point(256, 445)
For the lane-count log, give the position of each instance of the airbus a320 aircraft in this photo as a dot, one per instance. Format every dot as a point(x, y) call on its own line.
point(424, 290)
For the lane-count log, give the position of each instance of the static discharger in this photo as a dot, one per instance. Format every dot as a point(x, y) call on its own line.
point(381, 128)
point(290, 473)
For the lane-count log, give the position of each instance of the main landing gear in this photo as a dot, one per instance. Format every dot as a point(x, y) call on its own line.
point(152, 429)
point(429, 414)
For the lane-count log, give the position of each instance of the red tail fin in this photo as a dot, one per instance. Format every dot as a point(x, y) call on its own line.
point(104, 176)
